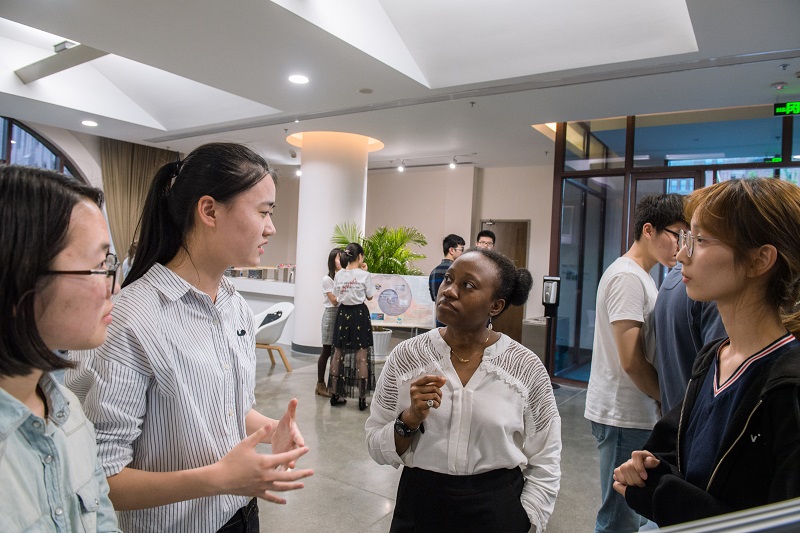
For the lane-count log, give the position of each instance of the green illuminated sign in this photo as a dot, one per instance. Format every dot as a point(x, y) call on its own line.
point(789, 108)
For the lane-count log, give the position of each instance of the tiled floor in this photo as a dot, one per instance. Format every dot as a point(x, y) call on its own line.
point(350, 492)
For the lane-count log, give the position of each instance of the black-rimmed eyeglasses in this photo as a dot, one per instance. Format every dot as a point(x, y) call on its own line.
point(111, 265)
point(677, 234)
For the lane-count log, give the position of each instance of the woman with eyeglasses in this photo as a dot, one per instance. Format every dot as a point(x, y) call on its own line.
point(734, 443)
point(469, 413)
point(171, 391)
point(56, 281)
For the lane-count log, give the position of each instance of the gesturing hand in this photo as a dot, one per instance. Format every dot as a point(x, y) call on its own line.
point(286, 435)
point(422, 390)
point(633, 472)
point(245, 472)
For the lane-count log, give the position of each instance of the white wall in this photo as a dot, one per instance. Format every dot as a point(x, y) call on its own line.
point(435, 201)
point(522, 193)
point(282, 247)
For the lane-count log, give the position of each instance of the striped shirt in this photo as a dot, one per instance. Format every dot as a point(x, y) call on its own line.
point(169, 390)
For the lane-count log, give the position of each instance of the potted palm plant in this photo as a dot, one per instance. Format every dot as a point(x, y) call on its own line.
point(386, 251)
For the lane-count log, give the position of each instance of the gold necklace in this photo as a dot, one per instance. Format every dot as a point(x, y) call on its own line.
point(467, 360)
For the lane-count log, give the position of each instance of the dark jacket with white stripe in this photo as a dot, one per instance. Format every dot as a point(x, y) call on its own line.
point(758, 463)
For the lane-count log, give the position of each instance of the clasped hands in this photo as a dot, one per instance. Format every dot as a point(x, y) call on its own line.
point(633, 472)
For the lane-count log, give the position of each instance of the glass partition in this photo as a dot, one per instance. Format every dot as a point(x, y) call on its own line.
point(731, 136)
point(595, 145)
point(591, 239)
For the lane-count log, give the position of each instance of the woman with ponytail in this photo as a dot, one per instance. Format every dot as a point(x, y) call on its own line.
point(171, 392)
point(734, 443)
point(469, 413)
point(353, 329)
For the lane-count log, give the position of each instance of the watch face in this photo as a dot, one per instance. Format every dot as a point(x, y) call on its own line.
point(401, 429)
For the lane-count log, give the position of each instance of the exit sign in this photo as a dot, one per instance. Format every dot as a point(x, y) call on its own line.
point(789, 108)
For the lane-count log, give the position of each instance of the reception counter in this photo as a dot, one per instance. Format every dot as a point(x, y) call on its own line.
point(261, 294)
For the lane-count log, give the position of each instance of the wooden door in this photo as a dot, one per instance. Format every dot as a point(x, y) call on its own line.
point(511, 240)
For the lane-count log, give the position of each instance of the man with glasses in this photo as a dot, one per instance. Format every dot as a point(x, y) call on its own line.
point(622, 400)
point(485, 239)
point(452, 247)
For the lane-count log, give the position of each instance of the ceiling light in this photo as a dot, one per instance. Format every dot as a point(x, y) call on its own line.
point(453, 163)
point(402, 166)
point(366, 90)
point(90, 123)
point(716, 155)
point(298, 172)
point(298, 79)
point(13, 141)
point(779, 85)
point(296, 120)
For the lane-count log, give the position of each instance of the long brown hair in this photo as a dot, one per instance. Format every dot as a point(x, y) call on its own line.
point(748, 213)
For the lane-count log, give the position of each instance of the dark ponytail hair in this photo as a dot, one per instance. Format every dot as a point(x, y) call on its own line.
point(514, 283)
point(219, 170)
point(35, 211)
point(332, 262)
point(350, 253)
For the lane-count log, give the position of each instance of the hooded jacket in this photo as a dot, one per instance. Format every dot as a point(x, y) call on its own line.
point(758, 462)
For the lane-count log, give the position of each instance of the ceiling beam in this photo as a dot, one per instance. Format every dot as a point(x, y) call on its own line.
point(66, 59)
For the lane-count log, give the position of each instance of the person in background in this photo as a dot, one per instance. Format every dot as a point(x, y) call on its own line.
point(469, 413)
point(126, 264)
point(56, 281)
point(452, 247)
point(734, 443)
point(485, 239)
point(622, 399)
point(683, 327)
point(328, 320)
point(353, 329)
point(171, 391)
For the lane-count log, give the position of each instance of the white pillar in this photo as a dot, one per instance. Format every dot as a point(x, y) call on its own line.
point(333, 190)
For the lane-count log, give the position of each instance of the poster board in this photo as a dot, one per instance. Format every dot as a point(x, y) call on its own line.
point(401, 301)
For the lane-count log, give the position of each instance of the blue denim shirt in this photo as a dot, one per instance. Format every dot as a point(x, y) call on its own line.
point(50, 478)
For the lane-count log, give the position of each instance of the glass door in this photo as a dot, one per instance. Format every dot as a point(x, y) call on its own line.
point(591, 237)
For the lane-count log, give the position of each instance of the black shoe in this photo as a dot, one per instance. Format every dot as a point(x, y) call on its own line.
point(337, 400)
point(362, 404)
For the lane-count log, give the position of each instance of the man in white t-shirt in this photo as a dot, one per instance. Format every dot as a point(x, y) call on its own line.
point(623, 394)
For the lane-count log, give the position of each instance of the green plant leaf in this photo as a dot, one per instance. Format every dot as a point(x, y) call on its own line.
point(387, 250)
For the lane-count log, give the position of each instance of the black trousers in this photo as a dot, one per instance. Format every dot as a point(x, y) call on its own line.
point(429, 501)
point(244, 521)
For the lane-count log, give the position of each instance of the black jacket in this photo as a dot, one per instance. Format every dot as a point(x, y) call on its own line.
point(758, 463)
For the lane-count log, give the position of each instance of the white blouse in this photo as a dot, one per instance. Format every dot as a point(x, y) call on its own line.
point(505, 417)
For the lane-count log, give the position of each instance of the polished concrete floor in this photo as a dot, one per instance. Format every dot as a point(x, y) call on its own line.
point(350, 492)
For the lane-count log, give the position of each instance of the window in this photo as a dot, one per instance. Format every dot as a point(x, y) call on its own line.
point(21, 146)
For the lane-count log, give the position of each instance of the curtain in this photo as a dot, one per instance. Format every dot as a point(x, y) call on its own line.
point(128, 169)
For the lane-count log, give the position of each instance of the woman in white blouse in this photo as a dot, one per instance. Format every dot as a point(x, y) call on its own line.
point(469, 412)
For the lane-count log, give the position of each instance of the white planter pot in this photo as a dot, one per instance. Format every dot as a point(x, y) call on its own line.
point(380, 343)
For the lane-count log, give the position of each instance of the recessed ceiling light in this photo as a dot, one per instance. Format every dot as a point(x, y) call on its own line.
point(366, 90)
point(90, 123)
point(13, 141)
point(298, 78)
point(298, 173)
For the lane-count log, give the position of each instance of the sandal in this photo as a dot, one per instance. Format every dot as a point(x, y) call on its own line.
point(337, 400)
